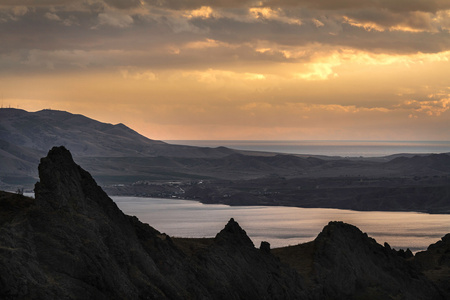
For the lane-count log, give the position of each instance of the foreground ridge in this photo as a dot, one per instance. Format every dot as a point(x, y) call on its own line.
point(73, 242)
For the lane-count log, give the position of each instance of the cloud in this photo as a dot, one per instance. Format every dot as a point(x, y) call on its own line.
point(135, 74)
point(341, 24)
point(394, 6)
point(204, 12)
point(58, 58)
point(403, 15)
point(212, 76)
point(414, 21)
point(266, 13)
point(61, 61)
point(115, 19)
point(36, 3)
point(430, 108)
point(123, 4)
point(52, 16)
point(19, 10)
point(12, 13)
point(196, 4)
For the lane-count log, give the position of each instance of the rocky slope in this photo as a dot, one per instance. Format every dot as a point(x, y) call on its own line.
point(435, 263)
point(72, 242)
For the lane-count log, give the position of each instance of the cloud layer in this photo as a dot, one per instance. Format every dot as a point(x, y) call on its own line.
point(297, 65)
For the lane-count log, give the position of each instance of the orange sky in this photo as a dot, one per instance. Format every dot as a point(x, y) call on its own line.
point(265, 70)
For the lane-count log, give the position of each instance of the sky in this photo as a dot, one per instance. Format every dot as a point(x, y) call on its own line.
point(234, 69)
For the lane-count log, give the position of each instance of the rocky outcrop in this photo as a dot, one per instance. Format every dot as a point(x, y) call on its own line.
point(75, 243)
point(72, 242)
point(435, 263)
point(349, 264)
point(233, 234)
point(235, 269)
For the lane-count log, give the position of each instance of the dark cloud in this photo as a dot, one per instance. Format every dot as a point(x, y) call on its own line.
point(398, 6)
point(386, 20)
point(141, 36)
point(194, 4)
point(123, 4)
point(392, 5)
point(431, 6)
point(33, 3)
point(385, 14)
point(72, 4)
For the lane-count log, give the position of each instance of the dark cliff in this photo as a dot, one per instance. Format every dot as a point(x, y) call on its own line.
point(349, 264)
point(72, 242)
point(435, 263)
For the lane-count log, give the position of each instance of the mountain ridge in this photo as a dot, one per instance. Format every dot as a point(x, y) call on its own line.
point(43, 129)
point(27, 136)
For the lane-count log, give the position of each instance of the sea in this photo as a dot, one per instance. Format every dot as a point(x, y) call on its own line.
point(328, 148)
point(284, 226)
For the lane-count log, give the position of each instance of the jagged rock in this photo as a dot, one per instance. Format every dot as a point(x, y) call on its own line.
point(235, 269)
point(405, 254)
point(435, 263)
point(265, 247)
point(348, 264)
point(233, 234)
point(75, 242)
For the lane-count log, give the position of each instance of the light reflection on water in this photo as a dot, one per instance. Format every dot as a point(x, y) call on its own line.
point(283, 226)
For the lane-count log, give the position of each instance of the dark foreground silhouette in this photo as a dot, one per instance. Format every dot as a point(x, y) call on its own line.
point(72, 242)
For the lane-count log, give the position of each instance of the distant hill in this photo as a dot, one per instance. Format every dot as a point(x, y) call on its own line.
point(41, 130)
point(86, 137)
point(27, 136)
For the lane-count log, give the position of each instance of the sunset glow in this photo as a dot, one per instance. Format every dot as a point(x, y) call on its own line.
point(263, 70)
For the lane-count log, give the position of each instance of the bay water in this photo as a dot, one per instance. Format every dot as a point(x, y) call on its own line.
point(284, 226)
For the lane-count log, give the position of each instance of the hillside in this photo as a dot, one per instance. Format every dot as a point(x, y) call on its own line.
point(43, 129)
point(72, 242)
point(27, 136)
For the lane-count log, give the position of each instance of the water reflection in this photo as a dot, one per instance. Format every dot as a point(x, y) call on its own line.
point(283, 226)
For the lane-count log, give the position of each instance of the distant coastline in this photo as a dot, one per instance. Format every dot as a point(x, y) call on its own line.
point(327, 147)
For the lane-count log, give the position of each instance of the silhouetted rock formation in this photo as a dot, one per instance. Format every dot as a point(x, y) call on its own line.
point(348, 263)
point(233, 234)
point(435, 263)
point(73, 242)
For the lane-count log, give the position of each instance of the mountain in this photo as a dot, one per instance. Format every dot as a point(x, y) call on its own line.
point(26, 136)
point(73, 242)
point(44, 129)
point(86, 137)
